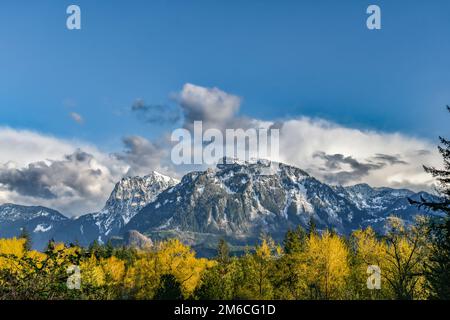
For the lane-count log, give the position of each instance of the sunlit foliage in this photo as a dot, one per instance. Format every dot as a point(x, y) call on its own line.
point(310, 265)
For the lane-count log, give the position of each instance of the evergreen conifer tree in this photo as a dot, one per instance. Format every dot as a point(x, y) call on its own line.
point(438, 273)
point(24, 234)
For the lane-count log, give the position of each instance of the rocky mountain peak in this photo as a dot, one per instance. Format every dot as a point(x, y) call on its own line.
point(132, 193)
point(129, 196)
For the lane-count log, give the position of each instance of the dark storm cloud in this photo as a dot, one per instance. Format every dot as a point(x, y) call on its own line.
point(389, 159)
point(141, 155)
point(155, 113)
point(423, 152)
point(335, 162)
point(39, 179)
point(28, 181)
point(277, 125)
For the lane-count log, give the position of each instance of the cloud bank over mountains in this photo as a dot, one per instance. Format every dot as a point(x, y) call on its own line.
point(342, 155)
point(76, 177)
point(38, 169)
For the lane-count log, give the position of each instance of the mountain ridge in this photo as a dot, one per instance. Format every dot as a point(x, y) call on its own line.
point(239, 201)
point(235, 200)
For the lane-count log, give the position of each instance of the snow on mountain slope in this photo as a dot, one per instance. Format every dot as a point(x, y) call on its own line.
point(239, 201)
point(13, 212)
point(129, 196)
point(40, 222)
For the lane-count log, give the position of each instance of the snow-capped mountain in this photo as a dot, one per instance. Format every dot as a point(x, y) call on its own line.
point(380, 203)
point(14, 213)
point(129, 196)
point(236, 200)
point(372, 200)
point(39, 222)
point(239, 201)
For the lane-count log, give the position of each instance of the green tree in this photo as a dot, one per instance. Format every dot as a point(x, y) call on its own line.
point(294, 240)
point(218, 282)
point(169, 288)
point(223, 252)
point(287, 274)
point(438, 267)
point(258, 271)
point(24, 234)
point(312, 228)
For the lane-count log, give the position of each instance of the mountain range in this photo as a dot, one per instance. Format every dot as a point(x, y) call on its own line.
point(237, 201)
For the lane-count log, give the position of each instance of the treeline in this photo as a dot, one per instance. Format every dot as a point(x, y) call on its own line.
point(308, 265)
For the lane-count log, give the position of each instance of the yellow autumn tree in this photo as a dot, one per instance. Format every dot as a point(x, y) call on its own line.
point(10, 251)
point(406, 255)
point(34, 275)
point(92, 274)
point(326, 266)
point(168, 257)
point(113, 270)
point(368, 250)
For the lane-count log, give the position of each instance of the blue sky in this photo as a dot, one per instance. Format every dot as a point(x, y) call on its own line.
point(382, 92)
point(285, 59)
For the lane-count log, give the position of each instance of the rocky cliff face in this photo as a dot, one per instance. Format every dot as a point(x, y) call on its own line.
point(129, 196)
point(135, 239)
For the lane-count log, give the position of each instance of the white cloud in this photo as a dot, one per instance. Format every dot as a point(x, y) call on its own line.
point(213, 106)
point(71, 176)
point(77, 117)
point(301, 139)
point(24, 146)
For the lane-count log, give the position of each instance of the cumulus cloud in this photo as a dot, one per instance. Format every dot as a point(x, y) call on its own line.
point(214, 107)
point(76, 174)
point(22, 147)
point(390, 159)
point(340, 169)
point(70, 176)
